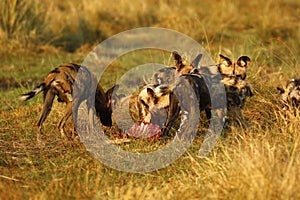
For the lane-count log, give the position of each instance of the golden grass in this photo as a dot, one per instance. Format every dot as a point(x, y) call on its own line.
point(259, 161)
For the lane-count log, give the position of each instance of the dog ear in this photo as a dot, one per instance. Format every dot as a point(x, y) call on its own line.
point(225, 61)
point(177, 59)
point(291, 81)
point(150, 92)
point(109, 93)
point(281, 90)
point(249, 91)
point(243, 61)
point(196, 61)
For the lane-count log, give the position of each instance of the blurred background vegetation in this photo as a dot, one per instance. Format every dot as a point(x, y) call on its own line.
point(71, 24)
point(268, 32)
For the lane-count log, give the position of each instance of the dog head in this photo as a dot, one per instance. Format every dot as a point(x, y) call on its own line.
point(111, 99)
point(184, 67)
point(153, 102)
point(291, 94)
point(229, 68)
point(168, 75)
point(163, 76)
point(103, 104)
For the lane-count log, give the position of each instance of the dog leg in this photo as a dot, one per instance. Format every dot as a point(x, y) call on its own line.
point(173, 113)
point(62, 122)
point(208, 113)
point(48, 101)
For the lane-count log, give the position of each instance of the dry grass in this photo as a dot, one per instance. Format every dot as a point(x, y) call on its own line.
point(259, 161)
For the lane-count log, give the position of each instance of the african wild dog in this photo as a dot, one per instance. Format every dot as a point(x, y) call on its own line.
point(290, 96)
point(157, 99)
point(60, 82)
point(236, 87)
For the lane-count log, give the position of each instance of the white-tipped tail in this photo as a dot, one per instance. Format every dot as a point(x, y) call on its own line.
point(32, 93)
point(23, 97)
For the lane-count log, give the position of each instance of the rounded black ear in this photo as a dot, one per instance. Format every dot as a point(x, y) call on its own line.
point(291, 81)
point(177, 59)
point(196, 61)
point(243, 61)
point(281, 90)
point(109, 92)
point(297, 81)
point(226, 61)
point(151, 92)
point(176, 55)
point(249, 92)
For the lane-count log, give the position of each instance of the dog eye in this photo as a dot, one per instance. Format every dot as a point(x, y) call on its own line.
point(143, 102)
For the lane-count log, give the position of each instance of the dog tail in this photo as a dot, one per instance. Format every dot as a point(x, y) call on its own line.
point(31, 94)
